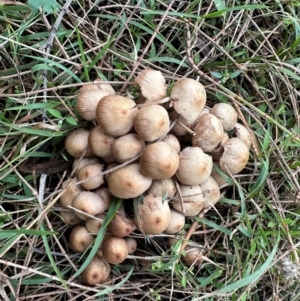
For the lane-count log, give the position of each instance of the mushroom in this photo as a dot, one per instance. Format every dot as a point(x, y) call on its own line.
point(159, 161)
point(78, 163)
point(189, 98)
point(226, 114)
point(218, 178)
point(116, 114)
point(128, 182)
point(92, 176)
point(211, 192)
point(120, 226)
point(88, 98)
point(242, 133)
point(153, 215)
point(93, 225)
point(209, 132)
point(193, 256)
point(96, 272)
point(176, 223)
point(193, 200)
point(90, 203)
point(70, 218)
point(131, 244)
point(151, 122)
point(114, 249)
point(163, 187)
point(76, 143)
point(70, 192)
point(194, 166)
point(105, 194)
point(235, 156)
point(80, 239)
point(173, 141)
point(100, 143)
point(127, 147)
point(152, 84)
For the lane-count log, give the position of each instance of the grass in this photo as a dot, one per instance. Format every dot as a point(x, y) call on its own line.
point(245, 54)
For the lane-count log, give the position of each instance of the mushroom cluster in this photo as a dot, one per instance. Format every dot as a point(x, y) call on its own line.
point(156, 148)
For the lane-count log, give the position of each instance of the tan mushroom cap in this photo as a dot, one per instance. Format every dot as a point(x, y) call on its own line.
point(76, 143)
point(100, 143)
point(242, 133)
point(235, 156)
point(131, 244)
point(218, 178)
point(159, 161)
point(151, 122)
point(193, 200)
point(114, 249)
point(78, 163)
point(127, 147)
point(209, 132)
point(116, 114)
point(163, 187)
point(93, 225)
point(211, 192)
point(92, 176)
point(173, 141)
point(71, 190)
point(193, 256)
point(96, 272)
point(153, 215)
point(194, 166)
point(88, 98)
point(189, 98)
point(70, 218)
point(226, 114)
point(152, 84)
point(80, 239)
point(128, 182)
point(177, 222)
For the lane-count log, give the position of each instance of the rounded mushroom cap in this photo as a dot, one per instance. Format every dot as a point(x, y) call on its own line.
point(120, 226)
point(96, 272)
point(128, 182)
point(193, 200)
point(131, 244)
point(127, 147)
point(163, 187)
point(70, 218)
point(152, 122)
point(227, 115)
point(92, 173)
point(114, 249)
point(211, 192)
point(242, 133)
point(194, 166)
point(105, 194)
point(93, 225)
point(70, 192)
point(173, 141)
point(193, 256)
point(209, 132)
point(76, 143)
point(189, 98)
point(218, 178)
point(100, 143)
point(90, 203)
point(152, 84)
point(116, 114)
point(177, 222)
point(80, 239)
point(153, 215)
point(88, 98)
point(159, 161)
point(235, 156)
point(80, 162)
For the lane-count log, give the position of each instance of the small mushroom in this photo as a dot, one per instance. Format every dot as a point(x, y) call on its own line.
point(193, 256)
point(71, 190)
point(105, 194)
point(159, 161)
point(120, 226)
point(189, 98)
point(211, 192)
point(235, 156)
point(80, 239)
point(173, 141)
point(177, 222)
point(209, 132)
point(93, 225)
point(151, 122)
point(226, 114)
point(78, 163)
point(163, 187)
point(92, 176)
point(131, 244)
point(70, 218)
point(114, 249)
point(242, 133)
point(194, 166)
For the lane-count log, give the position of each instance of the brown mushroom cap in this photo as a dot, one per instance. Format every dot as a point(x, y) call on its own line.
point(235, 156)
point(70, 192)
point(173, 141)
point(153, 216)
point(76, 143)
point(80, 239)
point(127, 147)
point(226, 114)
point(242, 133)
point(93, 225)
point(78, 163)
point(209, 132)
point(70, 218)
point(91, 174)
point(193, 256)
point(151, 122)
point(211, 192)
point(189, 98)
point(163, 187)
point(177, 222)
point(105, 194)
point(152, 84)
point(159, 161)
point(114, 249)
point(88, 98)
point(120, 226)
point(131, 244)
point(100, 143)
point(193, 200)
point(96, 272)
point(116, 114)
point(128, 182)
point(194, 166)
point(90, 203)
